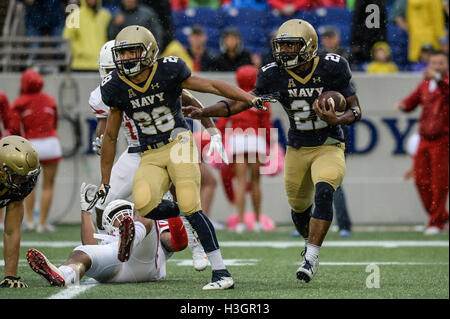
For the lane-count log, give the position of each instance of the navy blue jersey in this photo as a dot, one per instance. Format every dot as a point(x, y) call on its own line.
point(297, 93)
point(155, 104)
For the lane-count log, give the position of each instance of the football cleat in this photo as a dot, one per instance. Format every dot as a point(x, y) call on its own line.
point(307, 269)
point(126, 238)
point(199, 257)
point(221, 280)
point(42, 266)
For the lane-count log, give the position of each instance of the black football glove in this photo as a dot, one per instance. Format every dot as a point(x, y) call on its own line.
point(12, 282)
point(102, 192)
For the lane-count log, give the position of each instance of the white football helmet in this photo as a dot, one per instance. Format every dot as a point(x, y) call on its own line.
point(105, 59)
point(114, 210)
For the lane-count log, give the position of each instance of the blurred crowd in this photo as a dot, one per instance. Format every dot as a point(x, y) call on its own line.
point(221, 35)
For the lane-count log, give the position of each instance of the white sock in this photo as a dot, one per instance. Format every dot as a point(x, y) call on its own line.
point(139, 233)
point(312, 252)
point(215, 258)
point(69, 275)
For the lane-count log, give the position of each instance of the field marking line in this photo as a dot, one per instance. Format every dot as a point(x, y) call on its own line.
point(279, 244)
point(378, 263)
point(75, 290)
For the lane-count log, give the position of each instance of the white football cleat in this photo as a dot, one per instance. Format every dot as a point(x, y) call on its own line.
point(307, 270)
point(40, 265)
point(199, 258)
point(221, 280)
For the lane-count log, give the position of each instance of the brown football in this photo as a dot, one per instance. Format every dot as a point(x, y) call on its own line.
point(333, 99)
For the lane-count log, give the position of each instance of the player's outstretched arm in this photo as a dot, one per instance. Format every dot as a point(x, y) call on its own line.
point(217, 87)
point(222, 108)
point(87, 192)
point(187, 99)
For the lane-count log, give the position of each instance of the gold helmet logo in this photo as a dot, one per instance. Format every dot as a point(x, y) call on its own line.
point(19, 161)
point(135, 49)
point(295, 43)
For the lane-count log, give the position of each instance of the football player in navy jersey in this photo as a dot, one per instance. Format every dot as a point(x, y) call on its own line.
point(314, 163)
point(19, 170)
point(148, 91)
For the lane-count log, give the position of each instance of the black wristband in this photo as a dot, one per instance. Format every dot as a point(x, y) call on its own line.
point(355, 113)
point(228, 107)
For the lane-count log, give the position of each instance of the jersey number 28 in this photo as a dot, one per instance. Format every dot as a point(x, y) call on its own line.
point(160, 119)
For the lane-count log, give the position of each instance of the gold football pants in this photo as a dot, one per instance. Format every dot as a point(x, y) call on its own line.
point(177, 163)
point(307, 166)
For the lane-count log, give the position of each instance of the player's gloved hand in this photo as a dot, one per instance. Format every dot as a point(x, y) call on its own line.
point(259, 102)
point(100, 194)
point(97, 144)
point(12, 282)
point(216, 144)
point(87, 194)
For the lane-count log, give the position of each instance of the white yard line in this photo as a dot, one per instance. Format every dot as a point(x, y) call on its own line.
point(278, 244)
point(365, 263)
point(73, 291)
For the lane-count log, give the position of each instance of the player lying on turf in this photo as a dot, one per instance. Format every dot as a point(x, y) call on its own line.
point(135, 249)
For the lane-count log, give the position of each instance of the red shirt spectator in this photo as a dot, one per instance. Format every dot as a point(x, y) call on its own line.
point(37, 111)
point(434, 120)
point(4, 110)
point(431, 171)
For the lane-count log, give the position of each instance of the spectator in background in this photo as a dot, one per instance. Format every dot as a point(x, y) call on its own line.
point(203, 60)
point(175, 48)
point(44, 17)
point(431, 171)
point(364, 35)
point(133, 13)
point(34, 115)
point(424, 22)
point(330, 40)
point(247, 148)
point(233, 53)
point(164, 12)
point(86, 29)
point(382, 59)
point(288, 8)
point(4, 110)
point(425, 53)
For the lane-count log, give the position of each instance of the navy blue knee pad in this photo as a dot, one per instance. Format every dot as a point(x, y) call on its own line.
point(205, 231)
point(166, 209)
point(301, 219)
point(324, 202)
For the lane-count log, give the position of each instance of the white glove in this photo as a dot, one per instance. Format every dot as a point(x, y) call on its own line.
point(87, 193)
point(97, 144)
point(259, 102)
point(216, 144)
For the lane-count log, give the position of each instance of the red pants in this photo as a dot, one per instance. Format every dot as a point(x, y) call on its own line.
point(431, 177)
